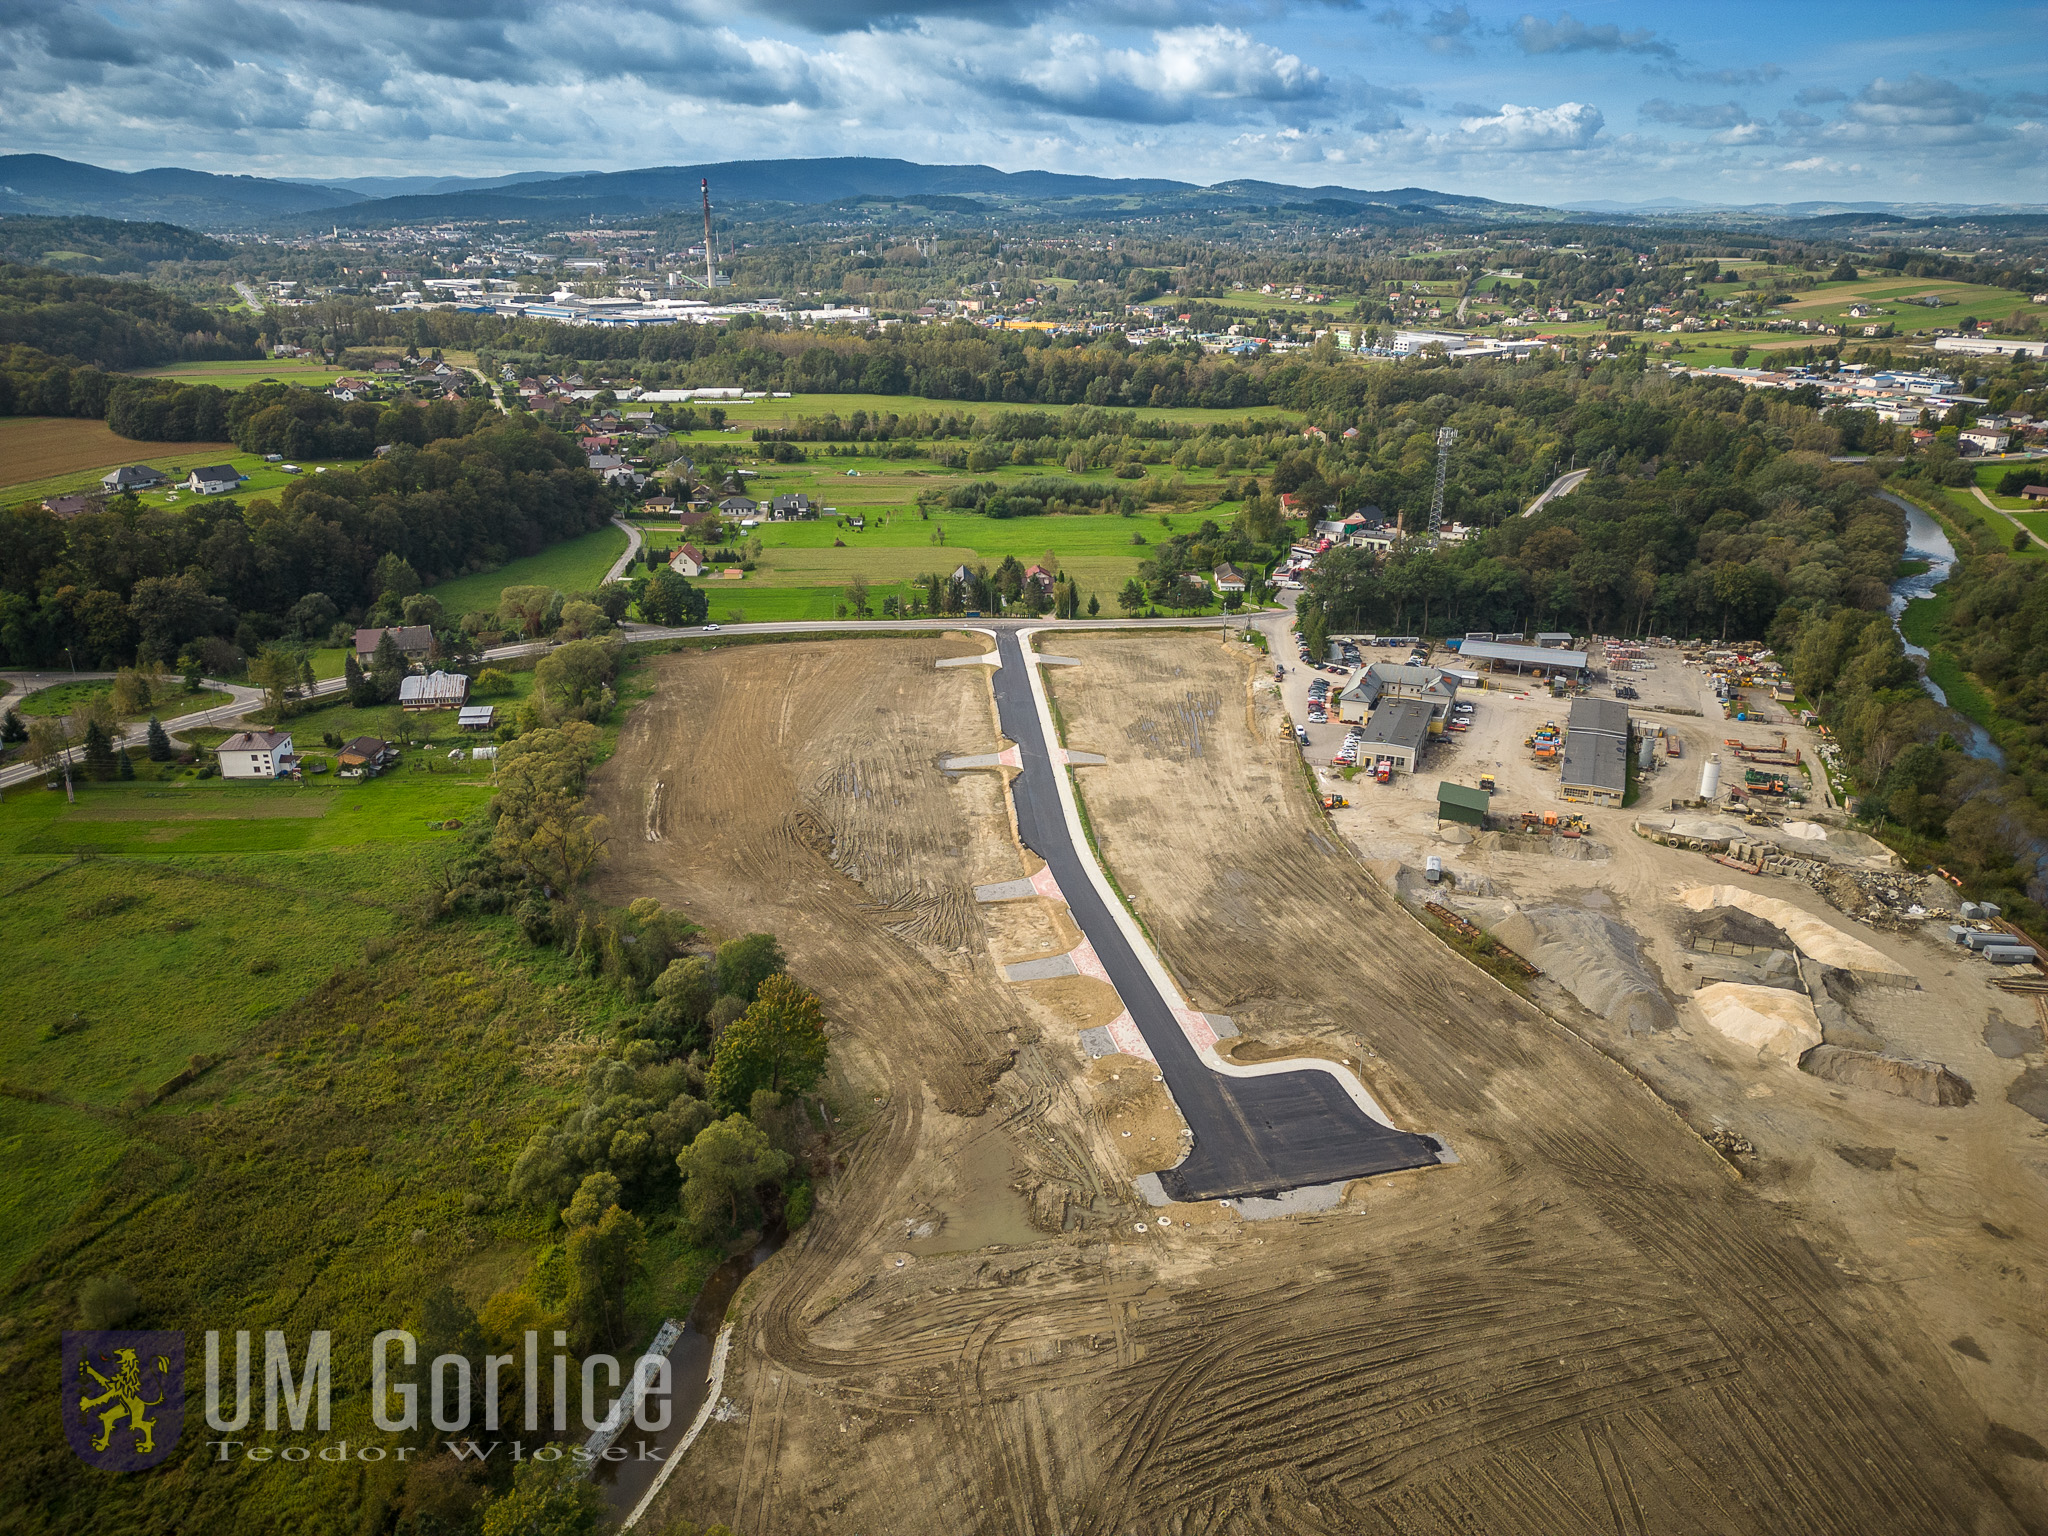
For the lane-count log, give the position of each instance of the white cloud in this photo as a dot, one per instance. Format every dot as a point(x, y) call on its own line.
point(1571, 125)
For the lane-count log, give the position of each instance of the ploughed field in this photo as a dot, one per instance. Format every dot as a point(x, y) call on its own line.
point(1587, 1324)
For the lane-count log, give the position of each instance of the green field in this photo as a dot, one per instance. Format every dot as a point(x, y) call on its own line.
point(573, 565)
point(67, 697)
point(241, 374)
point(264, 479)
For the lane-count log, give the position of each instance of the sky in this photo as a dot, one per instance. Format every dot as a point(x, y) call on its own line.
point(1727, 102)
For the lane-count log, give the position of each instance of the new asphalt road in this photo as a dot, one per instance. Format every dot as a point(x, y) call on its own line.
point(1254, 1136)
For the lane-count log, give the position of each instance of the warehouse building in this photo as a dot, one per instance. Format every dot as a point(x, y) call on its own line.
point(1461, 803)
point(1595, 752)
point(1540, 661)
point(1398, 728)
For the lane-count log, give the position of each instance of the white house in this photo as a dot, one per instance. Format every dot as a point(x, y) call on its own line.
point(1984, 439)
point(1229, 578)
point(257, 755)
point(687, 561)
point(213, 479)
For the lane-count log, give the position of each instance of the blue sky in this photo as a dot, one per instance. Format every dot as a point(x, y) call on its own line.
point(1733, 101)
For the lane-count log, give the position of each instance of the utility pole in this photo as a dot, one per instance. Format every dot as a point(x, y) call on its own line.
point(1444, 438)
point(710, 276)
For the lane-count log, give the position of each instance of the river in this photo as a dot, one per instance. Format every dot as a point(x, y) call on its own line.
point(1925, 540)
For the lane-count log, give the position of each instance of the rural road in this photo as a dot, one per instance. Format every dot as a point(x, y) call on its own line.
point(1563, 485)
point(1254, 1135)
point(250, 297)
point(625, 562)
point(2010, 519)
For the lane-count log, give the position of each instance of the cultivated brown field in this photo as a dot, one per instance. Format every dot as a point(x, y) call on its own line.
point(37, 448)
point(1589, 1324)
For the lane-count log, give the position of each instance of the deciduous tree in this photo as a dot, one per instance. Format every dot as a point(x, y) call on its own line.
point(778, 1044)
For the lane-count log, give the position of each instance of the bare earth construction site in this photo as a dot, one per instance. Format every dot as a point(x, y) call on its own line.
point(1590, 1321)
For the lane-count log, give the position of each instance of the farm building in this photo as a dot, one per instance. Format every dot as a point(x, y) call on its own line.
point(364, 758)
point(1595, 752)
point(437, 690)
point(476, 717)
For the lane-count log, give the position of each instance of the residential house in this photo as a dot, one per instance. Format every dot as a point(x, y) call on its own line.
point(364, 758)
point(792, 506)
point(347, 390)
point(605, 462)
point(1040, 577)
point(735, 507)
point(213, 479)
point(658, 506)
point(437, 690)
point(1983, 440)
point(257, 755)
point(2034, 492)
point(687, 561)
point(415, 642)
point(387, 365)
point(70, 506)
point(134, 477)
point(1229, 578)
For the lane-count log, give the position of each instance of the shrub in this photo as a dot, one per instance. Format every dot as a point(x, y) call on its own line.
point(107, 1301)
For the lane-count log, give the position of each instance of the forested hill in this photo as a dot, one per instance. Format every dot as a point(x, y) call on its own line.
point(168, 581)
point(109, 324)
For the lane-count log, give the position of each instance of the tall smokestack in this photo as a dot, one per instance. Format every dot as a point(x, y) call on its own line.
point(710, 276)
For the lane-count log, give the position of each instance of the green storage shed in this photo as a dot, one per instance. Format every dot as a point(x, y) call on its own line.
point(1459, 802)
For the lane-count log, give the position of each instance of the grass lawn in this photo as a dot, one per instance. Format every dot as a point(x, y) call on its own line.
point(241, 374)
point(573, 565)
point(65, 698)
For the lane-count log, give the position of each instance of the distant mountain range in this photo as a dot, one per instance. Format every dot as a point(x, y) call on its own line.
point(45, 185)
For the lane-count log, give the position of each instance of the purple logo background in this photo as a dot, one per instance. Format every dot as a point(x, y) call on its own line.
point(124, 1397)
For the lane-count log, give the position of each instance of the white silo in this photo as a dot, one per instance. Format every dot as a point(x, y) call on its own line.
point(1710, 779)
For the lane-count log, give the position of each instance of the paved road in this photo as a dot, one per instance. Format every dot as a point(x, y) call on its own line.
point(1254, 1136)
point(1563, 485)
point(621, 565)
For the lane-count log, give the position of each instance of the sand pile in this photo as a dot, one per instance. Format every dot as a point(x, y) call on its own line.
point(1771, 1021)
point(1596, 959)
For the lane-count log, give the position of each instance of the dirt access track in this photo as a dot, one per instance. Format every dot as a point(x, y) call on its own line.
point(1588, 1324)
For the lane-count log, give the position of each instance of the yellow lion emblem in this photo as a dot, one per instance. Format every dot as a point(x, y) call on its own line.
point(124, 1390)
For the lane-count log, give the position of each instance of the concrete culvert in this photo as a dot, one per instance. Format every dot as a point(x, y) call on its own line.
point(1925, 1082)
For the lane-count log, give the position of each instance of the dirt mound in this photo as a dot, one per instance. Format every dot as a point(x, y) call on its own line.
point(1925, 1082)
point(2009, 1041)
point(1820, 940)
point(1593, 957)
point(1773, 1022)
point(1732, 925)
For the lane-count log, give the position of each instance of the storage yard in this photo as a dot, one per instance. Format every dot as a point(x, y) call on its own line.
point(1684, 1276)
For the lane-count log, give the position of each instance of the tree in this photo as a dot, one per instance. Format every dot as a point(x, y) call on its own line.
point(394, 577)
point(574, 682)
point(1094, 605)
point(422, 609)
point(12, 731)
point(1132, 598)
point(667, 598)
point(547, 1498)
point(581, 620)
point(857, 595)
point(778, 1044)
point(99, 753)
point(355, 684)
point(131, 692)
point(728, 1160)
point(124, 765)
point(276, 671)
point(312, 615)
point(598, 1193)
point(604, 1256)
point(526, 609)
point(542, 830)
point(48, 736)
point(743, 964)
point(2020, 540)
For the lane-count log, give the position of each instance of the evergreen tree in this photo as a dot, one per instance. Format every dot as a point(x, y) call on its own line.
point(124, 764)
point(159, 741)
point(99, 753)
point(12, 730)
point(358, 687)
point(1094, 605)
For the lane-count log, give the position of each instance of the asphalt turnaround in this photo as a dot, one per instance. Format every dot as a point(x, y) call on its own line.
point(1254, 1136)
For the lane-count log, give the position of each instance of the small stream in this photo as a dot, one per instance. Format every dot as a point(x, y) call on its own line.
point(689, 1364)
point(1926, 541)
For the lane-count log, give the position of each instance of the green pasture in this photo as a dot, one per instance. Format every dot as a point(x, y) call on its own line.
point(573, 565)
point(242, 373)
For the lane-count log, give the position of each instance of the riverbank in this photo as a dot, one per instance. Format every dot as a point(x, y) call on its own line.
point(1918, 607)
